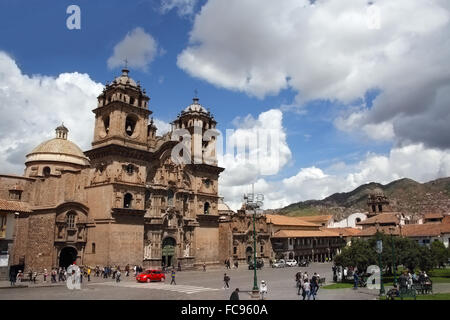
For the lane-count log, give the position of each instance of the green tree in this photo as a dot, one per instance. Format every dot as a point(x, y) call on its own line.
point(439, 253)
point(426, 260)
point(360, 255)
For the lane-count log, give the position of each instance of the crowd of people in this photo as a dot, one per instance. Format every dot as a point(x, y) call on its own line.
point(307, 287)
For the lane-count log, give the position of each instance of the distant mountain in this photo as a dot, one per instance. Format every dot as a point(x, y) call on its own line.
point(405, 195)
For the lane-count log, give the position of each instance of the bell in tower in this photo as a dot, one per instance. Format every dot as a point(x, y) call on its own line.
point(121, 116)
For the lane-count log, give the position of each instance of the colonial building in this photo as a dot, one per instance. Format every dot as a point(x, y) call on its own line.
point(129, 199)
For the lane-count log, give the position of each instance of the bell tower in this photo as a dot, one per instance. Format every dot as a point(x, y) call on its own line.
point(121, 116)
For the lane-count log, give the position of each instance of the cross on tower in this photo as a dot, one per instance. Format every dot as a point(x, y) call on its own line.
point(126, 63)
point(195, 93)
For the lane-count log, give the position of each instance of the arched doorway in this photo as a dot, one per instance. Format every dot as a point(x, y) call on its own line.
point(168, 251)
point(67, 256)
point(249, 254)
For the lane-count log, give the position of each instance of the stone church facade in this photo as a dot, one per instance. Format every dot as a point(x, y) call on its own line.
point(127, 200)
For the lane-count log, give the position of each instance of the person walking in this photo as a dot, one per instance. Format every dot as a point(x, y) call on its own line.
point(118, 273)
point(355, 280)
point(12, 277)
point(34, 277)
point(314, 286)
point(173, 277)
point(45, 275)
point(204, 267)
point(226, 279)
point(306, 289)
point(19, 276)
point(263, 289)
point(235, 294)
point(89, 274)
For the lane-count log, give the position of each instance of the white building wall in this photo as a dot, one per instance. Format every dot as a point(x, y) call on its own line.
point(350, 221)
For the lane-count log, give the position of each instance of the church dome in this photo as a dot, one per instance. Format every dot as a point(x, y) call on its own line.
point(125, 79)
point(58, 149)
point(195, 107)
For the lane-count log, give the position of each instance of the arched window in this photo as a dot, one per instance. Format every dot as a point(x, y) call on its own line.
point(106, 124)
point(358, 220)
point(374, 208)
point(380, 208)
point(170, 198)
point(130, 125)
point(127, 199)
point(130, 169)
point(206, 208)
point(93, 247)
point(70, 220)
point(46, 171)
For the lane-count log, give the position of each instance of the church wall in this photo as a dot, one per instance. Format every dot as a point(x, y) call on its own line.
point(100, 201)
point(99, 235)
point(21, 240)
point(127, 242)
point(225, 241)
point(39, 254)
point(206, 244)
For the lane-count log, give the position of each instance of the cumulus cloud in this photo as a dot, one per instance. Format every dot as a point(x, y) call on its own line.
point(413, 161)
point(183, 7)
point(33, 106)
point(138, 48)
point(328, 50)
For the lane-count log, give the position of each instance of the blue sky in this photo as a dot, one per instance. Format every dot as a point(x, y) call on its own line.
point(317, 124)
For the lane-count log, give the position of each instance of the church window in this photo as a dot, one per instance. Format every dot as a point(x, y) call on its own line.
point(130, 169)
point(128, 198)
point(106, 124)
point(71, 220)
point(262, 249)
point(93, 247)
point(131, 100)
point(358, 220)
point(46, 171)
point(380, 208)
point(15, 194)
point(374, 209)
point(170, 198)
point(130, 125)
point(206, 208)
point(207, 182)
point(234, 250)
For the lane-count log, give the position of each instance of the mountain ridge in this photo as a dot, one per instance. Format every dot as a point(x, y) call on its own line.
point(405, 195)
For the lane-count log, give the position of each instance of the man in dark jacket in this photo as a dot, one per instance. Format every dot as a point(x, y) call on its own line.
point(235, 295)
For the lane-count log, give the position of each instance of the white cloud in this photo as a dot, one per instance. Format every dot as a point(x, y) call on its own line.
point(183, 7)
point(413, 161)
point(327, 51)
point(162, 126)
point(138, 48)
point(33, 106)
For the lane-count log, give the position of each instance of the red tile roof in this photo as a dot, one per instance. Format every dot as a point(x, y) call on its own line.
point(382, 218)
point(288, 221)
point(446, 219)
point(316, 219)
point(7, 205)
point(346, 232)
point(371, 231)
point(433, 215)
point(424, 230)
point(304, 234)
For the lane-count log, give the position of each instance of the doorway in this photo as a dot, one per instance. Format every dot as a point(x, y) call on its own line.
point(249, 254)
point(67, 256)
point(168, 251)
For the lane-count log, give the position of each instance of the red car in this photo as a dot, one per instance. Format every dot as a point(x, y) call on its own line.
point(151, 275)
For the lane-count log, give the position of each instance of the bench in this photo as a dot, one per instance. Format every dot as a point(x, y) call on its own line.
point(424, 288)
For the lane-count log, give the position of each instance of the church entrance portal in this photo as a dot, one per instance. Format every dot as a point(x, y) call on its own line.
point(168, 251)
point(67, 256)
point(249, 254)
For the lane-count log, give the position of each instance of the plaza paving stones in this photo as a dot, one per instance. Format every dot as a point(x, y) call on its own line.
point(160, 286)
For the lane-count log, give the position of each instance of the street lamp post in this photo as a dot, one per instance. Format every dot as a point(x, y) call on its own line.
point(379, 251)
point(394, 266)
point(254, 201)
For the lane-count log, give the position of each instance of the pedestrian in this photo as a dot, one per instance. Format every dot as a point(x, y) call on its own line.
point(30, 276)
point(204, 266)
point(305, 276)
point(89, 274)
point(12, 277)
point(34, 277)
point(179, 266)
point(53, 275)
point(355, 280)
point(314, 286)
point(19, 276)
point(45, 275)
point(235, 294)
point(118, 273)
point(173, 277)
point(127, 270)
point(345, 273)
point(263, 289)
point(236, 264)
point(306, 289)
point(226, 279)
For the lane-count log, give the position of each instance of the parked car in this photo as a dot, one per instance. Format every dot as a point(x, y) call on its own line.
point(279, 264)
point(151, 275)
point(291, 263)
point(259, 264)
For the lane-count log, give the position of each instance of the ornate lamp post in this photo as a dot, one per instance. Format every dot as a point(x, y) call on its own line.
point(394, 266)
point(254, 202)
point(379, 250)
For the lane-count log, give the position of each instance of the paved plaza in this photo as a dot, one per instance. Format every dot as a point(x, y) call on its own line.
point(191, 285)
